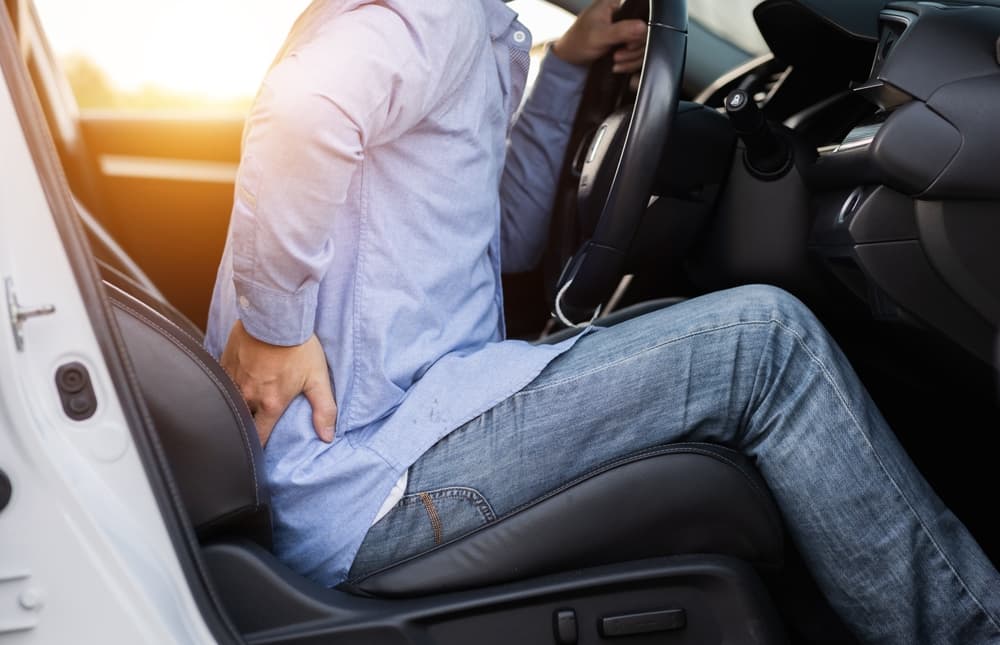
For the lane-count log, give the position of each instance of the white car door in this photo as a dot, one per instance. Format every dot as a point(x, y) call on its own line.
point(85, 556)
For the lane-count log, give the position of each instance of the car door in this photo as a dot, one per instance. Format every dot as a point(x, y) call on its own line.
point(85, 553)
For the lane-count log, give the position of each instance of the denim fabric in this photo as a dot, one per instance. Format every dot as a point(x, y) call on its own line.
point(422, 520)
point(751, 369)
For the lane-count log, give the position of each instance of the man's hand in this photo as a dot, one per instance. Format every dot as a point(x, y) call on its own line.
point(270, 376)
point(594, 34)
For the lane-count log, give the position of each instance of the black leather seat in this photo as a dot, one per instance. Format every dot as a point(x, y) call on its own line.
point(680, 499)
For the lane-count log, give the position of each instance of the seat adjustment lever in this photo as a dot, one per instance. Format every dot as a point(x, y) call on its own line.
point(667, 620)
point(565, 627)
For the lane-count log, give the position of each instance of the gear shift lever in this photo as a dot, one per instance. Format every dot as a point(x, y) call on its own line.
point(768, 153)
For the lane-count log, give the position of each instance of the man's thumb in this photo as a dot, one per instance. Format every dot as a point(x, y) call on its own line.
point(320, 396)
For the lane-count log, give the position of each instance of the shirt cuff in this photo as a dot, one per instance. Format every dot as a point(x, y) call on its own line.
point(557, 89)
point(275, 317)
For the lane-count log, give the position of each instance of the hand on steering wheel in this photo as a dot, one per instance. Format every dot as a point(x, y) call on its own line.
point(615, 150)
point(596, 31)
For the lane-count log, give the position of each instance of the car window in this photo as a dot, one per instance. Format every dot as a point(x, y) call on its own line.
point(153, 55)
point(732, 20)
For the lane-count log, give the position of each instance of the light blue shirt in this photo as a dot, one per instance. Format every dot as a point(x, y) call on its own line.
point(376, 202)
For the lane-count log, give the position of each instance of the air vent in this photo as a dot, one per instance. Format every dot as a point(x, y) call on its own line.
point(892, 26)
point(888, 41)
point(772, 83)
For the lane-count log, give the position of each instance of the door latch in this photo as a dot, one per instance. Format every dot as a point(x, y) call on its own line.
point(19, 315)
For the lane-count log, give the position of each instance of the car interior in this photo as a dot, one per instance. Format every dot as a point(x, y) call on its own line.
point(853, 165)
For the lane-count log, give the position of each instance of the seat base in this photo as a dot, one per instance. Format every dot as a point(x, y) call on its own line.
point(705, 600)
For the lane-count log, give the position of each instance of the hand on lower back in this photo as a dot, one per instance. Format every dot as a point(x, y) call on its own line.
point(270, 377)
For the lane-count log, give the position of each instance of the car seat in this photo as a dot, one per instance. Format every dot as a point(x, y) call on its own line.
point(663, 546)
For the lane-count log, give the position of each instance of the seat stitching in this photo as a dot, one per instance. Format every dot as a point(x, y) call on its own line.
point(636, 354)
point(207, 371)
point(158, 313)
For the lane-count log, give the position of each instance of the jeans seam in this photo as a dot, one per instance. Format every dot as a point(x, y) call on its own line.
point(434, 517)
point(631, 357)
point(878, 458)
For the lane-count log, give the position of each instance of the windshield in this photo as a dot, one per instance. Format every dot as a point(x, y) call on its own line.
point(732, 20)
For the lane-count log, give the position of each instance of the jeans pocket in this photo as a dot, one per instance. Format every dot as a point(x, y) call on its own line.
point(418, 523)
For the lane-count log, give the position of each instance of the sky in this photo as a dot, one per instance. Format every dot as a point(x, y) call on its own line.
point(216, 48)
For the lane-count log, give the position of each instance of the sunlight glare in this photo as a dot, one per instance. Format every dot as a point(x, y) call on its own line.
point(208, 49)
point(218, 48)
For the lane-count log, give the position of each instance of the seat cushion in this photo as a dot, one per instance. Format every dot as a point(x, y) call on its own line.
point(673, 500)
point(678, 499)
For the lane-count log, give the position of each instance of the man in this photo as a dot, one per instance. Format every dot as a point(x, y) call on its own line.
point(375, 207)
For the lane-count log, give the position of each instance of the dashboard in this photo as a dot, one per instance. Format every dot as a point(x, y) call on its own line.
point(893, 111)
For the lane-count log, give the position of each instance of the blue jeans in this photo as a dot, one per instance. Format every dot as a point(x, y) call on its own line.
point(751, 369)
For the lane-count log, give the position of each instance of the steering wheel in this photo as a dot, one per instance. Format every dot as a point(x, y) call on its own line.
point(606, 185)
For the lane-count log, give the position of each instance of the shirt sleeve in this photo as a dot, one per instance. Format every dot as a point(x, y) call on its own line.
point(359, 80)
point(535, 155)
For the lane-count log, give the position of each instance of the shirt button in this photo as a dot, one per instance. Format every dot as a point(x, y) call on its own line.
point(244, 302)
point(520, 37)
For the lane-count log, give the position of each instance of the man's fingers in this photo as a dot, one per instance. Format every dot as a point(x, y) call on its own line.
point(629, 68)
point(265, 425)
point(627, 60)
point(319, 393)
point(269, 377)
point(625, 31)
point(629, 55)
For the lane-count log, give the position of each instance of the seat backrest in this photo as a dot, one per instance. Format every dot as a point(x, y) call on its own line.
point(152, 298)
point(203, 424)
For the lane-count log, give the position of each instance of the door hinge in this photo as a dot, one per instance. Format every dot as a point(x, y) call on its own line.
point(19, 315)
